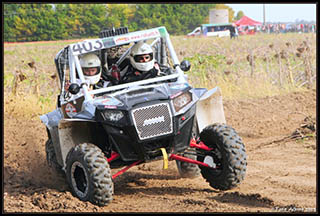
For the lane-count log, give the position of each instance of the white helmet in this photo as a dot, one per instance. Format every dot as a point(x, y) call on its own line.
point(91, 61)
point(138, 50)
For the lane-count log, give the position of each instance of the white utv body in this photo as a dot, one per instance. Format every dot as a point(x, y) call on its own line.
point(122, 125)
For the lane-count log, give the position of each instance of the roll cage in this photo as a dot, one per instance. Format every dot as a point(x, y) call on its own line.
point(67, 59)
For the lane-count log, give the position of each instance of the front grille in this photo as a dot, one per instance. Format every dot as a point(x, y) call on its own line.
point(152, 121)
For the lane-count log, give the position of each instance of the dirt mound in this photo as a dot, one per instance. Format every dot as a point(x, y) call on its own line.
point(306, 129)
point(279, 134)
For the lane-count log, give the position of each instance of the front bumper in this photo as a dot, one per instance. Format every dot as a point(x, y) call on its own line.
point(148, 133)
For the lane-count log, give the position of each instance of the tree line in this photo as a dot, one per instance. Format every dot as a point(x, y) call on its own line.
point(37, 22)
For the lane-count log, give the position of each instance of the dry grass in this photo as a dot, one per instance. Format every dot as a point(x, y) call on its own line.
point(30, 78)
point(28, 106)
point(250, 66)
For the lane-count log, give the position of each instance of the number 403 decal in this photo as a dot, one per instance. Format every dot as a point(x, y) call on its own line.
point(87, 46)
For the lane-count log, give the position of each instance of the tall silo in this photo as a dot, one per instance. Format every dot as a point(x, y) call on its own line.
point(218, 16)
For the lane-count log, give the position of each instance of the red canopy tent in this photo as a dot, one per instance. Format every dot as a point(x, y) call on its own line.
point(246, 21)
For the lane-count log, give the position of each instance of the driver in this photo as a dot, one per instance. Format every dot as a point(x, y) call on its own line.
point(142, 64)
point(91, 67)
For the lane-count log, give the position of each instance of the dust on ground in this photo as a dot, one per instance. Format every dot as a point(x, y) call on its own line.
point(279, 135)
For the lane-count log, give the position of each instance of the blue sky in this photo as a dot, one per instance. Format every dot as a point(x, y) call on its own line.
point(277, 12)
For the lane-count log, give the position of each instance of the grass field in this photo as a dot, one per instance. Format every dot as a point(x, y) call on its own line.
point(249, 66)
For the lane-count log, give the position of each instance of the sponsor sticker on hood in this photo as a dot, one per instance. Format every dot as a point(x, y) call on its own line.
point(178, 86)
point(109, 101)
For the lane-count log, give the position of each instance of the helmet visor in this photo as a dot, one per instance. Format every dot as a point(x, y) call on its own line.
point(92, 71)
point(143, 58)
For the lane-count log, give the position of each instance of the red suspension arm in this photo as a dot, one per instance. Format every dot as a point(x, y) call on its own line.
point(200, 145)
point(184, 159)
point(193, 144)
point(125, 169)
point(114, 155)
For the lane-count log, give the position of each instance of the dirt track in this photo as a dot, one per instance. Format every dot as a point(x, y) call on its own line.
point(281, 174)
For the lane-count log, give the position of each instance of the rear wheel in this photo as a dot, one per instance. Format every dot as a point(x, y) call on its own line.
point(51, 157)
point(228, 158)
point(189, 170)
point(88, 174)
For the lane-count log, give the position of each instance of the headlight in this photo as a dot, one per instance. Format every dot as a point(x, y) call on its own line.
point(182, 100)
point(113, 115)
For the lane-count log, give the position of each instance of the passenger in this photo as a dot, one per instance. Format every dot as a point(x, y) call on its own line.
point(142, 64)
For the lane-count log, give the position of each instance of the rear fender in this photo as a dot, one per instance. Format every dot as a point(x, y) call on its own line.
point(210, 108)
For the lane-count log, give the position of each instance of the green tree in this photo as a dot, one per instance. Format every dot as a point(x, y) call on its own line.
point(71, 16)
point(33, 22)
point(120, 15)
point(9, 13)
point(199, 14)
point(24, 24)
point(44, 21)
point(93, 19)
point(64, 22)
point(177, 18)
point(239, 15)
point(30, 22)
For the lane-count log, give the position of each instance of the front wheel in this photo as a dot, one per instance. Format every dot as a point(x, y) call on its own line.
point(227, 159)
point(88, 174)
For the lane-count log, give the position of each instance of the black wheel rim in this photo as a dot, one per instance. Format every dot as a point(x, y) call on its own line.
point(79, 179)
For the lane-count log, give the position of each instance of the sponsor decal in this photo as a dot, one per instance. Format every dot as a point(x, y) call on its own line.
point(108, 42)
point(178, 86)
point(137, 36)
point(163, 32)
point(70, 110)
point(155, 120)
point(97, 44)
point(109, 101)
point(122, 39)
point(110, 107)
point(176, 95)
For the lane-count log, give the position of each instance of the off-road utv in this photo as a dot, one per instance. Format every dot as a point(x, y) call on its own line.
point(123, 125)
